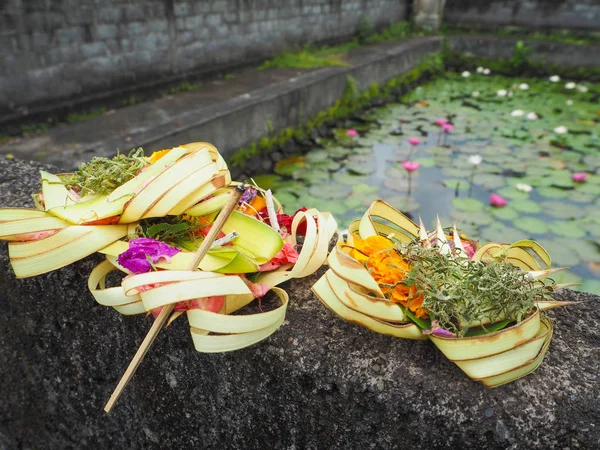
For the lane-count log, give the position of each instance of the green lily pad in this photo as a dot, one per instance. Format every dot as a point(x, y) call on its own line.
point(454, 183)
point(552, 192)
point(472, 218)
point(311, 176)
point(348, 178)
point(500, 233)
point(269, 181)
point(489, 181)
point(288, 168)
point(426, 162)
point(528, 206)
point(506, 213)
point(353, 202)
point(398, 184)
point(593, 189)
point(587, 250)
point(360, 168)
point(532, 225)
point(581, 197)
point(317, 156)
point(567, 277)
point(363, 188)
point(329, 191)
point(455, 172)
point(568, 229)
point(402, 203)
point(513, 193)
point(561, 254)
point(468, 204)
point(562, 210)
point(338, 152)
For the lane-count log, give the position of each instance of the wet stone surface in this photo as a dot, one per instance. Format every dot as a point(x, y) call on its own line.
point(318, 382)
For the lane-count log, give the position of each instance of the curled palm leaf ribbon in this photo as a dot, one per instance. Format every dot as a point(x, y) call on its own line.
point(191, 180)
point(493, 357)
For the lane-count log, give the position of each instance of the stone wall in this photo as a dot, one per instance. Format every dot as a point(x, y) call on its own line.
point(576, 14)
point(53, 50)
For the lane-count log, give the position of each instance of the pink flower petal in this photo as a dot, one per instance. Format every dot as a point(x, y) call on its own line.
point(448, 127)
point(351, 132)
point(410, 166)
point(441, 122)
point(498, 200)
point(579, 177)
point(414, 141)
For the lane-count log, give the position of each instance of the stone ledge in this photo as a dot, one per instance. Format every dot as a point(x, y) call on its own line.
point(318, 382)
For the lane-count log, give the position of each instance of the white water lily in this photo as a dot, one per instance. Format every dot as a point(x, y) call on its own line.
point(523, 86)
point(479, 69)
point(466, 74)
point(486, 71)
point(475, 94)
point(569, 102)
point(532, 116)
point(475, 159)
point(517, 113)
point(561, 130)
point(523, 187)
point(501, 93)
point(570, 85)
point(554, 78)
point(582, 88)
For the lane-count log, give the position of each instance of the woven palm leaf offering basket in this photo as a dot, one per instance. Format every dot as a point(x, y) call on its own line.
point(481, 305)
point(150, 216)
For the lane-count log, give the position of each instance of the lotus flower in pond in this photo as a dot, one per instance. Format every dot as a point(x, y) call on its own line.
point(497, 200)
point(532, 116)
point(351, 132)
point(517, 113)
point(582, 88)
point(579, 177)
point(414, 141)
point(501, 92)
point(523, 86)
point(441, 122)
point(523, 187)
point(466, 74)
point(570, 85)
point(448, 127)
point(475, 159)
point(411, 166)
point(561, 130)
point(554, 78)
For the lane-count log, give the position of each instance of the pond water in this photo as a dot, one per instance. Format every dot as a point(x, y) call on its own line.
point(531, 135)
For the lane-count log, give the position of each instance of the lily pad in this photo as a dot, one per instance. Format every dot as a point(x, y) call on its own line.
point(404, 204)
point(531, 225)
point(591, 286)
point(561, 254)
point(562, 210)
point(568, 229)
point(329, 191)
point(267, 181)
point(506, 213)
point(426, 162)
point(317, 156)
point(528, 206)
point(489, 181)
point(454, 183)
point(468, 204)
point(513, 193)
point(552, 192)
point(500, 233)
point(360, 168)
point(353, 202)
point(348, 178)
point(363, 188)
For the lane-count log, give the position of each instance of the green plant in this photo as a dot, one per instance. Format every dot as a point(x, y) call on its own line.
point(35, 128)
point(75, 117)
point(520, 59)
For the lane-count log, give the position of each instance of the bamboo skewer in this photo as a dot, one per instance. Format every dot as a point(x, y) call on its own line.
point(166, 310)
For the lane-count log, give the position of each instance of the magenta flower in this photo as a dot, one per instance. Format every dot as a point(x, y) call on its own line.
point(143, 251)
point(448, 127)
point(498, 200)
point(410, 166)
point(414, 141)
point(441, 122)
point(436, 330)
point(351, 132)
point(579, 177)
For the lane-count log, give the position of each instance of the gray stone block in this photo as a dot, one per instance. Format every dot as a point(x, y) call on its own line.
point(158, 25)
point(182, 8)
point(92, 50)
point(134, 12)
point(66, 36)
point(213, 19)
point(106, 31)
point(109, 15)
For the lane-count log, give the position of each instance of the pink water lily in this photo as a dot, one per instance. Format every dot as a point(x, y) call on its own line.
point(351, 132)
point(497, 200)
point(142, 252)
point(579, 177)
point(448, 127)
point(414, 141)
point(441, 122)
point(411, 166)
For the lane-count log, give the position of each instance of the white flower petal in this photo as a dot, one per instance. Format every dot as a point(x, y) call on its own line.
point(561, 130)
point(569, 102)
point(501, 93)
point(570, 85)
point(523, 86)
point(466, 74)
point(475, 159)
point(475, 93)
point(582, 88)
point(554, 78)
point(532, 116)
point(486, 71)
point(517, 113)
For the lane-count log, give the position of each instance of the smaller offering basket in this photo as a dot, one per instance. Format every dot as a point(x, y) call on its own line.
point(481, 305)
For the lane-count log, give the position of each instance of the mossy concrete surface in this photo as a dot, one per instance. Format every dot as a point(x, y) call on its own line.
point(318, 382)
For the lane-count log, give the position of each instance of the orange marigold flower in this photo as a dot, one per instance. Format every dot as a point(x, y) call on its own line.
point(158, 154)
